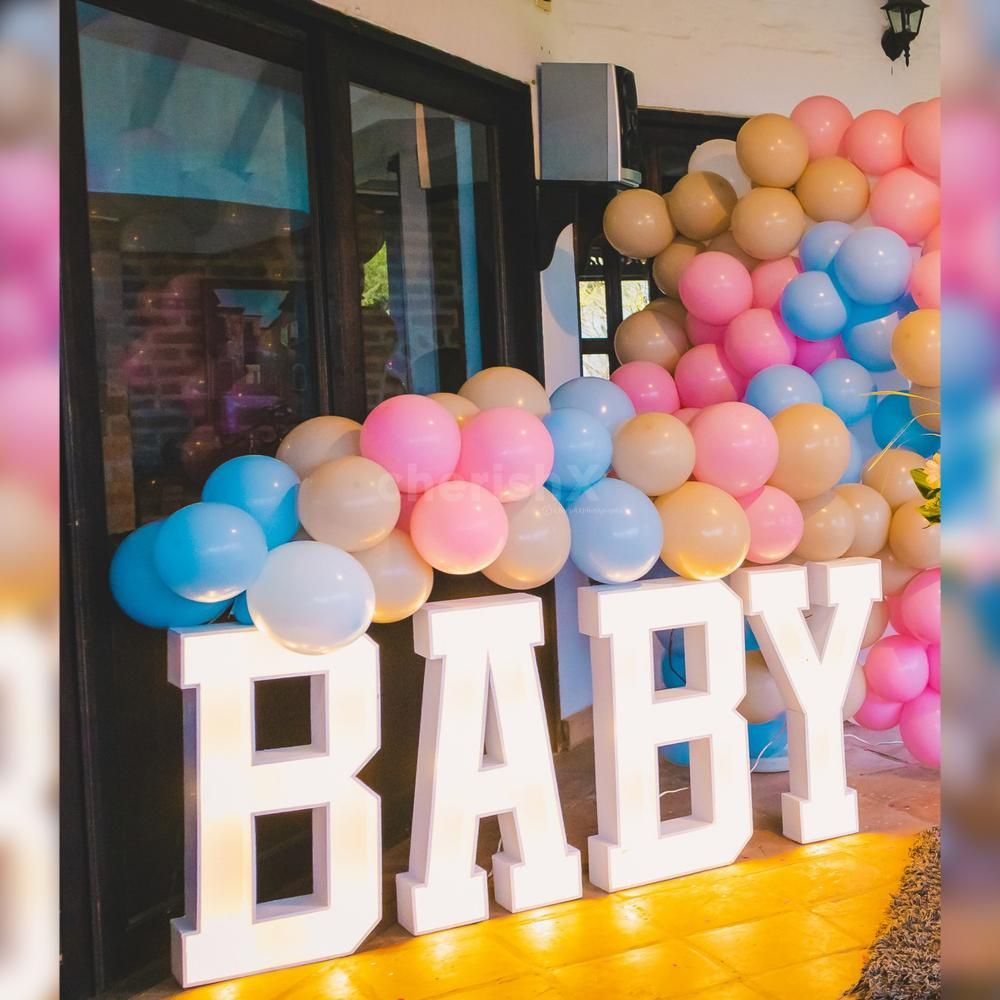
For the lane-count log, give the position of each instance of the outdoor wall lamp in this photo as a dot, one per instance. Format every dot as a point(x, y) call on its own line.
point(904, 18)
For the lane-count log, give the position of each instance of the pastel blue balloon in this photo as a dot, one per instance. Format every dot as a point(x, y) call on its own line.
point(868, 335)
point(852, 474)
point(894, 426)
point(769, 741)
point(596, 396)
point(776, 388)
point(847, 388)
point(971, 360)
point(582, 447)
point(143, 596)
point(210, 551)
point(812, 307)
point(240, 610)
point(820, 245)
point(873, 266)
point(616, 532)
point(266, 488)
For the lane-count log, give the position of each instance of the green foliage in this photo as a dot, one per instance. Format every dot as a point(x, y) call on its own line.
point(375, 291)
point(931, 507)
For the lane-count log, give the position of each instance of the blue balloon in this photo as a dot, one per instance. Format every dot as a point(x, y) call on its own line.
point(852, 474)
point(820, 245)
point(616, 532)
point(848, 389)
point(749, 639)
point(264, 487)
point(812, 307)
point(209, 551)
point(894, 426)
point(769, 742)
point(873, 266)
point(672, 664)
point(143, 596)
point(868, 335)
point(240, 610)
point(971, 362)
point(596, 396)
point(582, 447)
point(776, 388)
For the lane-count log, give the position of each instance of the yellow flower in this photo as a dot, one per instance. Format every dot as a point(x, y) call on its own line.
point(932, 470)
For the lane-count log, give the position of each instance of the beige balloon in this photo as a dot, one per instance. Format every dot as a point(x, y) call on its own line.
point(772, 150)
point(925, 405)
point(402, 580)
point(916, 346)
point(352, 503)
point(871, 513)
point(458, 406)
point(668, 307)
point(504, 386)
point(857, 689)
point(768, 223)
point(701, 204)
point(828, 527)
point(888, 472)
point(654, 452)
point(726, 243)
point(878, 622)
point(814, 449)
point(651, 336)
point(895, 574)
point(833, 189)
point(912, 539)
point(318, 441)
point(637, 223)
point(538, 541)
point(669, 264)
point(706, 534)
point(763, 701)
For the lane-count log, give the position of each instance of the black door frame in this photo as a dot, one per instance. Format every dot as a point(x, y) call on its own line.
point(331, 50)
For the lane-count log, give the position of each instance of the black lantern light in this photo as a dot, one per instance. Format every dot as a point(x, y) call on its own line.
point(904, 18)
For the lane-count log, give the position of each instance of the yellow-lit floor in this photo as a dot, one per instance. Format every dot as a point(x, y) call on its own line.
point(785, 921)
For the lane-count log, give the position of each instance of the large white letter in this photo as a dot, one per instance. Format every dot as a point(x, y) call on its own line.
point(632, 719)
point(813, 684)
point(481, 689)
point(225, 932)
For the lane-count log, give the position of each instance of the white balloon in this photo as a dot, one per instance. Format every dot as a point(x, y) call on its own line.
point(719, 157)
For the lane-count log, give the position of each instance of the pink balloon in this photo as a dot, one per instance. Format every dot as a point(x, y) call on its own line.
point(687, 413)
point(757, 339)
point(704, 376)
point(906, 115)
point(407, 501)
point(736, 447)
point(700, 332)
point(650, 387)
point(922, 137)
point(824, 121)
point(414, 439)
point(894, 602)
point(716, 287)
point(934, 667)
point(896, 668)
point(775, 524)
point(458, 527)
point(933, 242)
point(29, 426)
point(920, 606)
point(877, 713)
point(970, 150)
point(508, 451)
point(874, 142)
point(809, 355)
point(29, 208)
point(769, 279)
point(925, 280)
point(920, 728)
point(29, 327)
point(907, 202)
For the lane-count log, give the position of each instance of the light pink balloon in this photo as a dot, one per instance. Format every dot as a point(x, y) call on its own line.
point(907, 202)
point(920, 728)
point(970, 150)
point(508, 451)
point(716, 287)
point(809, 354)
point(704, 376)
point(896, 668)
point(413, 438)
point(769, 279)
point(877, 713)
point(906, 115)
point(934, 667)
point(922, 137)
point(458, 527)
point(824, 121)
point(757, 339)
point(925, 280)
point(29, 208)
point(920, 606)
point(29, 426)
point(736, 447)
point(775, 524)
point(700, 332)
point(650, 387)
point(687, 413)
point(874, 142)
